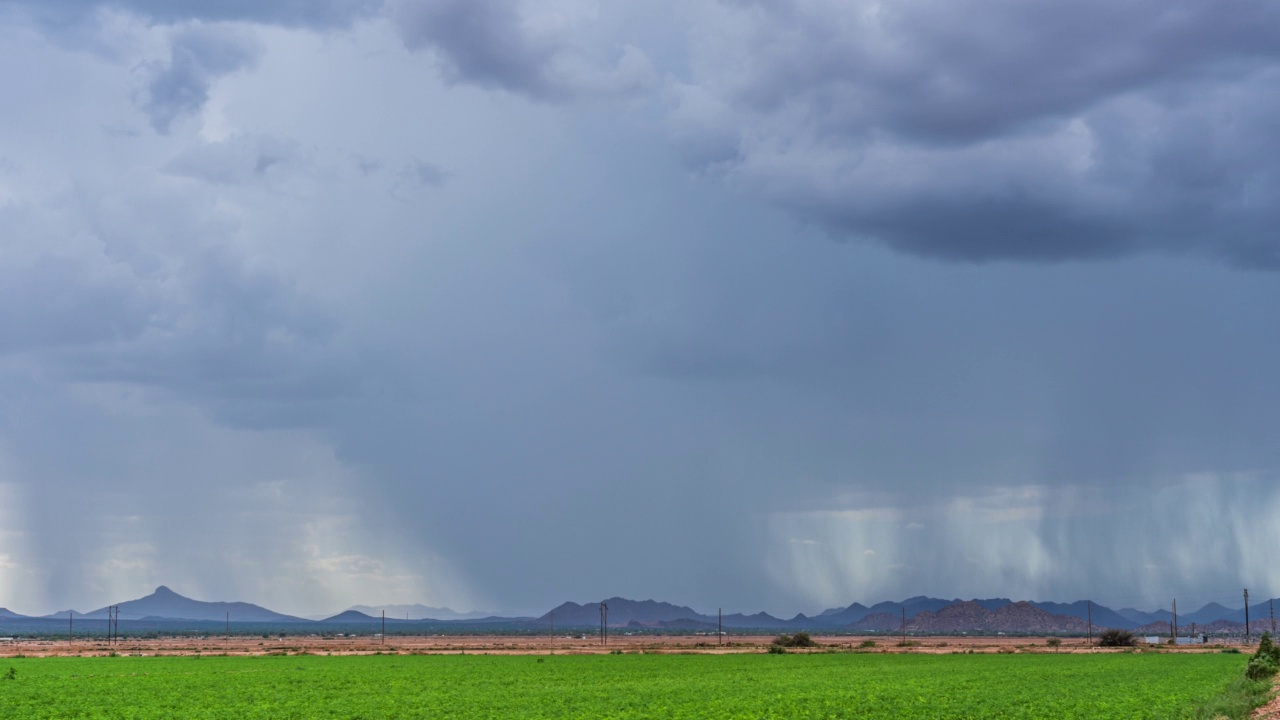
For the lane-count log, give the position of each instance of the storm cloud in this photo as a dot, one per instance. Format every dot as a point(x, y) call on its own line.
point(1005, 130)
point(756, 305)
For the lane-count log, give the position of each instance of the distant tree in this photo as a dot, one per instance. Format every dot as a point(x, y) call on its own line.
point(1116, 638)
point(1054, 643)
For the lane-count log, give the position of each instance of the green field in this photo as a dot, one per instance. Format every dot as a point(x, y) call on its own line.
point(618, 686)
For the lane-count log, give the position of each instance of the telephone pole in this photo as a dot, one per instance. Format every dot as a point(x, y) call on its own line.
point(1272, 604)
point(1089, 606)
point(227, 641)
point(904, 626)
point(604, 624)
point(553, 632)
point(1174, 625)
point(1246, 616)
point(384, 627)
point(71, 622)
point(720, 626)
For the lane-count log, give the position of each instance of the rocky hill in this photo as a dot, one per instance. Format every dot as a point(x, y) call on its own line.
point(1019, 617)
point(877, 622)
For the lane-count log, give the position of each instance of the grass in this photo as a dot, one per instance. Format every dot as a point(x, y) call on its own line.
point(825, 686)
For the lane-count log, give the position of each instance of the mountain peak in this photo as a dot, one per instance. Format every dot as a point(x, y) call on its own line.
point(164, 590)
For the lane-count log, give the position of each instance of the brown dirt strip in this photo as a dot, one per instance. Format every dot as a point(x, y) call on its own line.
point(538, 645)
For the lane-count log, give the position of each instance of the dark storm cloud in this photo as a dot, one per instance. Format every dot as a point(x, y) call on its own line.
point(481, 41)
point(198, 56)
point(501, 45)
point(962, 71)
point(1008, 130)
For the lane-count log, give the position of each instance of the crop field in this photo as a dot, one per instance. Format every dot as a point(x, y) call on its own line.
point(849, 685)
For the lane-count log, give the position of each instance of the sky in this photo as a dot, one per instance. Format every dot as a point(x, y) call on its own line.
point(755, 304)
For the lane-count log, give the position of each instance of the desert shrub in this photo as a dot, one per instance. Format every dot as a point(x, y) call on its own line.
point(1266, 648)
point(1116, 638)
point(776, 649)
point(1054, 643)
point(1230, 651)
point(1260, 667)
point(867, 644)
point(1265, 662)
point(800, 639)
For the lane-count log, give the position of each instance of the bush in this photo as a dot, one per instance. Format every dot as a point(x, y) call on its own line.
point(1265, 662)
point(1268, 649)
point(1116, 638)
point(1260, 667)
point(11, 675)
point(800, 639)
point(867, 644)
point(1054, 643)
point(776, 649)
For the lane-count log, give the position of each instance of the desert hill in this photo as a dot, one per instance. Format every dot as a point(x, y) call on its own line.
point(169, 605)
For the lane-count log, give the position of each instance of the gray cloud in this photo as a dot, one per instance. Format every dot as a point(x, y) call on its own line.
point(295, 13)
point(172, 307)
point(998, 131)
point(516, 46)
point(198, 56)
point(283, 382)
point(425, 173)
point(236, 159)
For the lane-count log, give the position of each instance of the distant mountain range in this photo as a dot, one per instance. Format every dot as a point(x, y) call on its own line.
point(920, 614)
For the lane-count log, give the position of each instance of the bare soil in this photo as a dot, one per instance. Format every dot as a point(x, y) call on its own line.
point(542, 645)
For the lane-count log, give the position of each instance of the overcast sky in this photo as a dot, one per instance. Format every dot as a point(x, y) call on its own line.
point(754, 304)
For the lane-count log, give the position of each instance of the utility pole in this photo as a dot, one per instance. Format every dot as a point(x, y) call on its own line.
point(1174, 625)
point(1089, 606)
point(604, 624)
point(384, 627)
point(226, 642)
point(904, 626)
point(1246, 616)
point(553, 632)
point(71, 622)
point(1272, 603)
point(720, 626)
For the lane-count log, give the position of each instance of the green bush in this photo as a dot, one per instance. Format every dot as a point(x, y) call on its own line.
point(1265, 662)
point(776, 649)
point(11, 675)
point(1268, 649)
point(800, 639)
point(1116, 638)
point(1260, 667)
point(867, 644)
